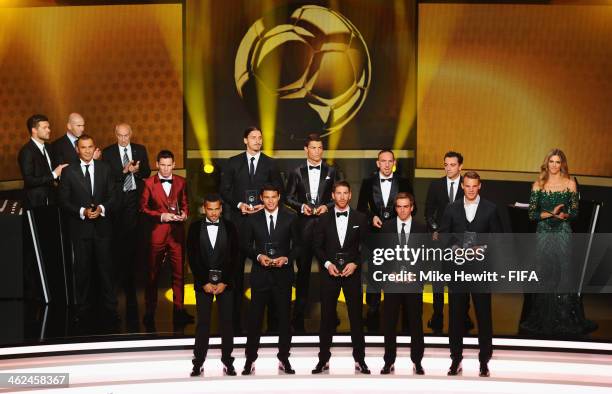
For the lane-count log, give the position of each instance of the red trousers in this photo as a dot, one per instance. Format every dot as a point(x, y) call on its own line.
point(171, 251)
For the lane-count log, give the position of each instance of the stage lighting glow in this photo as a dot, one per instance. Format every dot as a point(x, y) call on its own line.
point(209, 168)
point(247, 293)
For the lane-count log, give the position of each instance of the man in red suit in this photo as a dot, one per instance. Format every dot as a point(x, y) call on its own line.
point(164, 202)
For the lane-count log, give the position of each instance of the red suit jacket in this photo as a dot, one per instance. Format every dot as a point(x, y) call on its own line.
point(153, 202)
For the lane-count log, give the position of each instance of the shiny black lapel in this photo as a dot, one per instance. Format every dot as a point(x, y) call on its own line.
point(377, 194)
point(305, 179)
point(324, 174)
point(394, 190)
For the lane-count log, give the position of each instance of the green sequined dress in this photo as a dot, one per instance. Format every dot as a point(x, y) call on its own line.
point(555, 315)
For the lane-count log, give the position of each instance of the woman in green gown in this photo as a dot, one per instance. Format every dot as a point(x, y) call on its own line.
point(553, 203)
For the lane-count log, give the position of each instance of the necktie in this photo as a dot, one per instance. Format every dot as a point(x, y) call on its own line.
point(252, 167)
point(75, 143)
point(451, 192)
point(345, 214)
point(386, 179)
point(271, 224)
point(47, 158)
point(127, 182)
point(88, 179)
point(314, 168)
point(403, 234)
point(166, 180)
point(212, 224)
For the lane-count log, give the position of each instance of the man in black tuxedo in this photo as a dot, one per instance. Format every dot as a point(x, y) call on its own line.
point(35, 162)
point(129, 165)
point(64, 148)
point(338, 240)
point(309, 194)
point(441, 193)
point(241, 180)
point(470, 215)
point(405, 231)
point(270, 241)
point(377, 200)
point(212, 249)
point(87, 196)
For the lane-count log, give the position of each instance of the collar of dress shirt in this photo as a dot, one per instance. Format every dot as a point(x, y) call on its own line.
point(476, 202)
point(161, 177)
point(381, 176)
point(336, 210)
point(273, 213)
point(84, 163)
point(121, 148)
point(256, 156)
point(209, 221)
point(408, 222)
point(448, 181)
point(309, 163)
point(40, 145)
point(71, 137)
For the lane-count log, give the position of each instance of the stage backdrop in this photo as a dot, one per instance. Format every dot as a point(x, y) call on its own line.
point(503, 84)
point(110, 63)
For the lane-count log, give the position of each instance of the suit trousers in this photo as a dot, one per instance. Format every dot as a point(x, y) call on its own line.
point(304, 268)
point(457, 304)
point(92, 256)
point(413, 307)
point(330, 290)
point(126, 244)
point(173, 251)
point(204, 303)
point(278, 295)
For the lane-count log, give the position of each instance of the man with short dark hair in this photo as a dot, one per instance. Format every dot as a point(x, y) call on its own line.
point(338, 239)
point(164, 202)
point(470, 215)
point(309, 194)
point(130, 166)
point(212, 248)
point(441, 193)
point(241, 180)
point(270, 240)
point(377, 201)
point(405, 231)
point(87, 196)
point(35, 161)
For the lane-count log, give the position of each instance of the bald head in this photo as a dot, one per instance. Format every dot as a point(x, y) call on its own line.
point(76, 124)
point(123, 131)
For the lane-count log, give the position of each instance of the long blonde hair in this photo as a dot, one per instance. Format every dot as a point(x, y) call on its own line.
point(543, 177)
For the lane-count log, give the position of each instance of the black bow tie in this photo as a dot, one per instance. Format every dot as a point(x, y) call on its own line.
point(345, 213)
point(386, 179)
point(212, 224)
point(314, 167)
point(166, 180)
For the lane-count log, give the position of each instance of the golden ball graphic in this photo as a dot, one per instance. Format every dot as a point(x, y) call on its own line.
point(313, 69)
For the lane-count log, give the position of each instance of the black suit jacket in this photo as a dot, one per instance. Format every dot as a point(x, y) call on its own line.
point(38, 182)
point(298, 186)
point(285, 234)
point(437, 200)
point(235, 179)
point(74, 195)
point(371, 200)
point(111, 155)
point(64, 151)
point(456, 224)
point(199, 260)
point(327, 244)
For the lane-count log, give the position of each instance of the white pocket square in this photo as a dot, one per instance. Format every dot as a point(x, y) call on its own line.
point(355, 226)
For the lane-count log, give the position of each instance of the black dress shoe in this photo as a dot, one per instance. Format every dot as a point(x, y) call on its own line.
point(387, 369)
point(484, 370)
point(249, 368)
point(181, 316)
point(285, 366)
point(362, 367)
point(320, 368)
point(229, 370)
point(196, 371)
point(455, 368)
point(417, 369)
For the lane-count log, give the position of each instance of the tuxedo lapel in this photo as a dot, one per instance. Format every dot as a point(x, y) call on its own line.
point(394, 190)
point(377, 193)
point(324, 174)
point(159, 190)
point(335, 230)
point(305, 179)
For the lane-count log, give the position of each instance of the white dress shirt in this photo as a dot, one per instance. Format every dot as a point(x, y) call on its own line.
point(42, 149)
point(341, 227)
point(91, 171)
point(407, 227)
point(385, 187)
point(167, 186)
point(212, 232)
point(470, 208)
point(72, 138)
point(248, 155)
point(455, 186)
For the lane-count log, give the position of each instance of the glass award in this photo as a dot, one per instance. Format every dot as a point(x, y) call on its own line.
point(214, 276)
point(469, 239)
point(173, 207)
point(341, 260)
point(272, 249)
point(384, 213)
point(251, 197)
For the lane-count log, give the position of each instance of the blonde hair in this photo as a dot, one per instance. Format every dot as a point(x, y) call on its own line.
point(543, 177)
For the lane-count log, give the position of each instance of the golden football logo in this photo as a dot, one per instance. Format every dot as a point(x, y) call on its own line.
point(314, 67)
